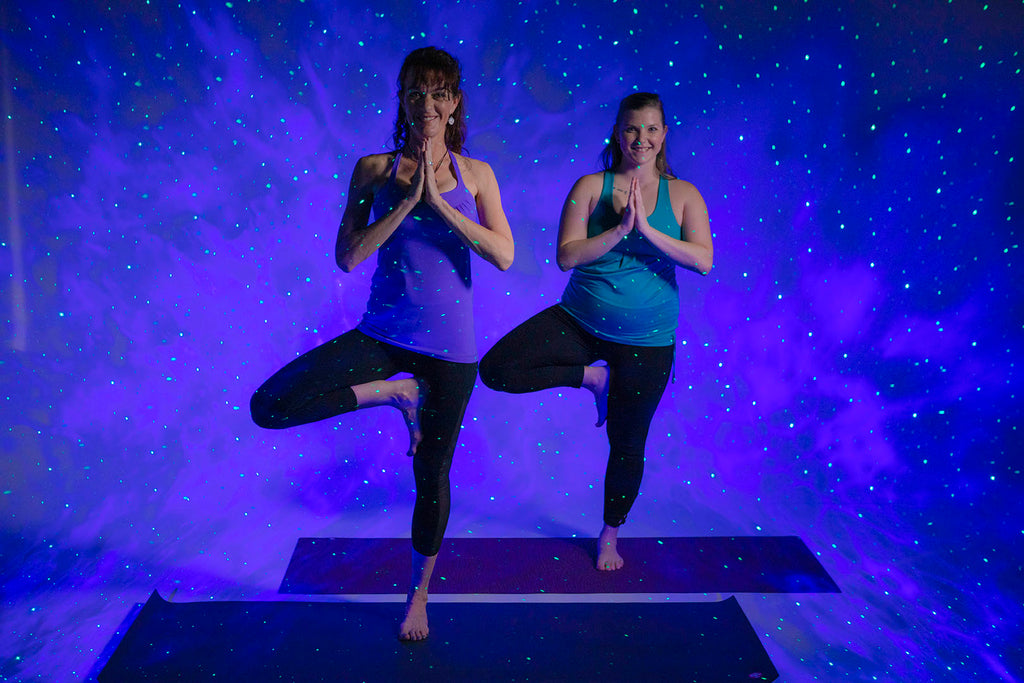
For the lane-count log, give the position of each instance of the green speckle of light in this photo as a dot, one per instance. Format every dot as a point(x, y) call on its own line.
point(229, 5)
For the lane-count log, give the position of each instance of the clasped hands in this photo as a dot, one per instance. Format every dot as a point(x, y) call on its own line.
point(424, 182)
point(635, 215)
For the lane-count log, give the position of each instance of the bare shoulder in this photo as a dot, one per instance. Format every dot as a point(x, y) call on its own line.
point(477, 174)
point(682, 189)
point(371, 171)
point(477, 169)
point(589, 185)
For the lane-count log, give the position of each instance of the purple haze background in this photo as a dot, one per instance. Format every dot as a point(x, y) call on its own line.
point(847, 373)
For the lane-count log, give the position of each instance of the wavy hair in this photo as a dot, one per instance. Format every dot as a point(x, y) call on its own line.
point(611, 156)
point(434, 66)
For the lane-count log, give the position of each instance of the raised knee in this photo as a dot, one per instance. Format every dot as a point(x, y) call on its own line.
point(491, 373)
point(260, 408)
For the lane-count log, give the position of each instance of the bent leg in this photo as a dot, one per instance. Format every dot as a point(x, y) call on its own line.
point(546, 351)
point(318, 384)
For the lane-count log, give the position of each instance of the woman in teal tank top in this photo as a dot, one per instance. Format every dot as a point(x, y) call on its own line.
point(621, 303)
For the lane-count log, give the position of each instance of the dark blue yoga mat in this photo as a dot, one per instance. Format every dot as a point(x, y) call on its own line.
point(736, 564)
point(336, 641)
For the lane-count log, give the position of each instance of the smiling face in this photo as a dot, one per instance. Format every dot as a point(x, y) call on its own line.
point(428, 104)
point(429, 91)
point(641, 135)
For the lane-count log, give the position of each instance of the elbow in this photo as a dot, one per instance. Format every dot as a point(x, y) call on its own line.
point(345, 262)
point(704, 266)
point(503, 259)
point(505, 262)
point(564, 262)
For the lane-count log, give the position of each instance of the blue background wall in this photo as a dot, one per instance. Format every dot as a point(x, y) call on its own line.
point(849, 372)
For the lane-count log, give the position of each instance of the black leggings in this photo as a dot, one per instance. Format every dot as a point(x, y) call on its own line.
point(318, 385)
point(550, 350)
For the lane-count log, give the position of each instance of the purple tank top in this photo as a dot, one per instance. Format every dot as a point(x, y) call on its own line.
point(421, 294)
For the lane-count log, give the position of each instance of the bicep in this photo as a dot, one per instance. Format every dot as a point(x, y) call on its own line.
point(575, 213)
point(694, 219)
point(488, 202)
point(360, 199)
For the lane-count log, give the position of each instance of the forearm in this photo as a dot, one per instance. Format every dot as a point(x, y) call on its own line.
point(355, 246)
point(581, 252)
point(690, 255)
point(495, 248)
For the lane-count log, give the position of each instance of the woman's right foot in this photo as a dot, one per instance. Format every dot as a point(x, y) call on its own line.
point(597, 379)
point(408, 398)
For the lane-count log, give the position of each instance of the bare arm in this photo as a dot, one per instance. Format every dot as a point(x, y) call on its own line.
point(694, 251)
point(492, 237)
point(357, 237)
point(574, 247)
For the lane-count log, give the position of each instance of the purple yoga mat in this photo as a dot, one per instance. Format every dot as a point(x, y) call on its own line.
point(736, 564)
point(335, 641)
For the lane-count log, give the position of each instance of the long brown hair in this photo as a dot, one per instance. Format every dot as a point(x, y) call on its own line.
point(611, 156)
point(434, 66)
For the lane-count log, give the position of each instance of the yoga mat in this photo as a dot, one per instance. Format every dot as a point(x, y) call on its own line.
point(739, 564)
point(335, 641)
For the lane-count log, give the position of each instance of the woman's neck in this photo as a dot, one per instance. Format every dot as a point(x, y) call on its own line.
point(411, 148)
point(645, 172)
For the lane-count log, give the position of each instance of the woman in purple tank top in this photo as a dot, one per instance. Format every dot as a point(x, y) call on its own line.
point(623, 233)
point(423, 209)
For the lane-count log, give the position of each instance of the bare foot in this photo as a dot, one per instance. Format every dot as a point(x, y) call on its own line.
point(414, 626)
point(409, 395)
point(608, 558)
point(405, 394)
point(597, 378)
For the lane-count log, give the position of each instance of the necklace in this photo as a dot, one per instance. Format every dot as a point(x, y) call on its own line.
point(438, 165)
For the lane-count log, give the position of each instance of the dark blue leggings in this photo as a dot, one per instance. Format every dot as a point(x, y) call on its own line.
point(550, 350)
point(318, 385)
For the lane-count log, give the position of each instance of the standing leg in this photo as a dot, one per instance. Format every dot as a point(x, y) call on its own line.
point(447, 390)
point(638, 379)
point(414, 625)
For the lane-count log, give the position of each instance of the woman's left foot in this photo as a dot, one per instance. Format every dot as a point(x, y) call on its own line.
point(414, 626)
point(608, 558)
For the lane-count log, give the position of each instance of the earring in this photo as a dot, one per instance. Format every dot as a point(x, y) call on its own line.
point(451, 120)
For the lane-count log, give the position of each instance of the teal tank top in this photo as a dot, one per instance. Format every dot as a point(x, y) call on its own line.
point(629, 295)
